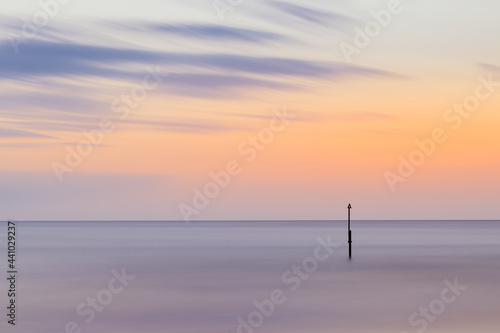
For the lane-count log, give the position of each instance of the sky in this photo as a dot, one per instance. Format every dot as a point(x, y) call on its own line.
point(206, 110)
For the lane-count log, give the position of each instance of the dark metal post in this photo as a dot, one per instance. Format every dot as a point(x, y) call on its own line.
point(349, 229)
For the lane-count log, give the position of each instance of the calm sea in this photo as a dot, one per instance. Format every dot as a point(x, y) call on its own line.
point(266, 277)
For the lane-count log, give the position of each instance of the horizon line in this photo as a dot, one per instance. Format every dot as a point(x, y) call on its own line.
point(261, 220)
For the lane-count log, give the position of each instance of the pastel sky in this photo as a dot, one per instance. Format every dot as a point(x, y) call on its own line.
point(221, 74)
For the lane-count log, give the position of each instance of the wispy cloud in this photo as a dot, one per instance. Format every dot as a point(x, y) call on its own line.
point(20, 133)
point(44, 58)
point(489, 67)
point(359, 116)
point(66, 69)
point(185, 125)
point(56, 59)
point(310, 116)
point(316, 16)
point(189, 70)
point(51, 101)
point(215, 86)
point(216, 32)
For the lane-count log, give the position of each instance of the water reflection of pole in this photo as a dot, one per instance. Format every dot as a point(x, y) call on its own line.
point(349, 228)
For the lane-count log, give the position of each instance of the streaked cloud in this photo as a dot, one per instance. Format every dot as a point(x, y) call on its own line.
point(216, 32)
point(20, 133)
point(218, 86)
point(489, 67)
point(201, 75)
point(43, 58)
point(51, 101)
point(316, 16)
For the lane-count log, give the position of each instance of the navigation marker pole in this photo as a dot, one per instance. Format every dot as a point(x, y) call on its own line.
point(349, 229)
